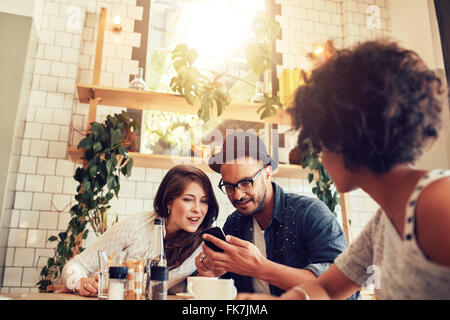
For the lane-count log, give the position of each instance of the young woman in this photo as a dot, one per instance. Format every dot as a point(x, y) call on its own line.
point(372, 111)
point(186, 201)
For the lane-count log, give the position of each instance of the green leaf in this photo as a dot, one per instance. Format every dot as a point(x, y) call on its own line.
point(62, 235)
point(109, 196)
point(86, 186)
point(220, 107)
point(85, 234)
point(190, 98)
point(44, 271)
point(103, 171)
point(125, 115)
point(52, 238)
point(96, 129)
point(80, 173)
point(126, 170)
point(265, 27)
point(258, 57)
point(92, 170)
point(115, 137)
point(175, 85)
point(191, 56)
point(266, 114)
point(85, 143)
point(310, 177)
point(110, 182)
point(110, 166)
point(97, 147)
point(89, 154)
point(129, 167)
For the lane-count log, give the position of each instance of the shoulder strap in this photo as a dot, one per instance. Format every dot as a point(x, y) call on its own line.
point(423, 182)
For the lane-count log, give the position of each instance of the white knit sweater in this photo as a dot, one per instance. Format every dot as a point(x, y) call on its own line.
point(133, 235)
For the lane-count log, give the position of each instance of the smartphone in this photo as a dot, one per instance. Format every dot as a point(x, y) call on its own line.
point(216, 232)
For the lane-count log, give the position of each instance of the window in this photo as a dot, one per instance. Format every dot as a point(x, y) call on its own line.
point(218, 31)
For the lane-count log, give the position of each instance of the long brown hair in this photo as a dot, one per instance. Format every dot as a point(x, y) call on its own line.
point(180, 246)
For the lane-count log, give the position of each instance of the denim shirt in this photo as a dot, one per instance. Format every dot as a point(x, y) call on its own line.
point(303, 233)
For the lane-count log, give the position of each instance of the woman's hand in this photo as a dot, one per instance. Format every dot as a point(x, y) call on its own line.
point(204, 267)
point(88, 286)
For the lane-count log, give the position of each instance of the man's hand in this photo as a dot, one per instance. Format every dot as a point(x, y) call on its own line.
point(239, 256)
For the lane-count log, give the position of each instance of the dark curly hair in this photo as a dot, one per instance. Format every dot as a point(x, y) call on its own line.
point(377, 104)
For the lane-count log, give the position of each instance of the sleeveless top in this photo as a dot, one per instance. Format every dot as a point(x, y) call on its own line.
point(395, 267)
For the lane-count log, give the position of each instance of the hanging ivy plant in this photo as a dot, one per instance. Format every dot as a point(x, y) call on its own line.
point(106, 158)
point(308, 157)
point(324, 188)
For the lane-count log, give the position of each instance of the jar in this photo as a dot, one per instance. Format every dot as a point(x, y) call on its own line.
point(158, 283)
point(117, 282)
point(258, 97)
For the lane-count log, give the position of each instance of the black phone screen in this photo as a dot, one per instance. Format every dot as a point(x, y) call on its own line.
point(216, 232)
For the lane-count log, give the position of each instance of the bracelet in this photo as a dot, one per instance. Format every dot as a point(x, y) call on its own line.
point(299, 289)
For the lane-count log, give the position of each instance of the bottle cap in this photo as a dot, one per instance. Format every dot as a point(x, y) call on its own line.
point(159, 273)
point(118, 272)
point(159, 221)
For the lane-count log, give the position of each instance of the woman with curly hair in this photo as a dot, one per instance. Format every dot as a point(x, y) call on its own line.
point(371, 111)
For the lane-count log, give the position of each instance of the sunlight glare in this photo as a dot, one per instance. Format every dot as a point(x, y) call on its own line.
point(214, 30)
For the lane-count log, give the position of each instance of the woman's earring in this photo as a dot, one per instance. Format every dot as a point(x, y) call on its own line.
point(168, 211)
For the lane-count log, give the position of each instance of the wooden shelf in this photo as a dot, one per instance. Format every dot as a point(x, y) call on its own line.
point(160, 161)
point(147, 100)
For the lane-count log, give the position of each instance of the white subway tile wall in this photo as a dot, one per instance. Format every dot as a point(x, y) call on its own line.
point(45, 186)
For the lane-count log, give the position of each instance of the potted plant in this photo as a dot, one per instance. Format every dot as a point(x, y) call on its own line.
point(106, 157)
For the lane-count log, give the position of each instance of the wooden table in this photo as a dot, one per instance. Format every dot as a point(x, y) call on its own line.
point(57, 296)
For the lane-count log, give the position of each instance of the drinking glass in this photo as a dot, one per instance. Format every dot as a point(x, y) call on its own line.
point(103, 275)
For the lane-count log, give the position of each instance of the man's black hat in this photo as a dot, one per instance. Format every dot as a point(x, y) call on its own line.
point(241, 144)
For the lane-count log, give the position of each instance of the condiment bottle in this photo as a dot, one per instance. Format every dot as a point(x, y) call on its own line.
point(158, 283)
point(117, 281)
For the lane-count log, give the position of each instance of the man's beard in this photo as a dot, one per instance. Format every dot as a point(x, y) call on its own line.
point(260, 204)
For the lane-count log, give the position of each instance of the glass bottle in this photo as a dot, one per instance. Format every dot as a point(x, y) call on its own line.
point(258, 97)
point(138, 82)
point(158, 283)
point(157, 254)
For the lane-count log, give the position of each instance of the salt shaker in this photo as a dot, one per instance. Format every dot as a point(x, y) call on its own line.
point(158, 283)
point(117, 282)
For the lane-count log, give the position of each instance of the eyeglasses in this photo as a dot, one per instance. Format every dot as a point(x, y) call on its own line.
point(245, 185)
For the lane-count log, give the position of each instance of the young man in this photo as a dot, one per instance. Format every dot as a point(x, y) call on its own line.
point(275, 240)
